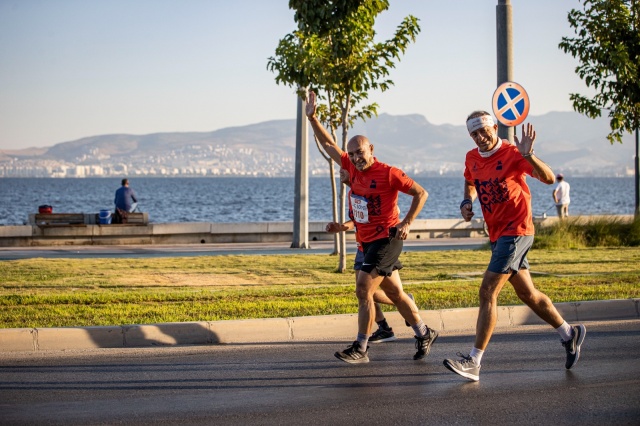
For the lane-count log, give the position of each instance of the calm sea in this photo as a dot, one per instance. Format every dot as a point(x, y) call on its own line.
point(271, 199)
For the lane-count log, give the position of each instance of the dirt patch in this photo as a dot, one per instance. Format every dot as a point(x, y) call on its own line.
point(192, 280)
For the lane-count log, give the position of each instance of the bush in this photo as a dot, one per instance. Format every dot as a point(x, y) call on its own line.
point(632, 237)
point(602, 232)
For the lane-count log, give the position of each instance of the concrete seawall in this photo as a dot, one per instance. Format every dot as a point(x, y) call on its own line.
point(205, 233)
point(211, 233)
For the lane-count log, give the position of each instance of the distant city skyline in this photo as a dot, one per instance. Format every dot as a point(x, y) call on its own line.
point(78, 68)
point(268, 149)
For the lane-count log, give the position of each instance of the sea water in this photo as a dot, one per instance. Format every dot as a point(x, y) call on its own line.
point(239, 199)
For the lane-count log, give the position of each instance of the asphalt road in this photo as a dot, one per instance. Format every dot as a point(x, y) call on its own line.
point(522, 381)
point(173, 250)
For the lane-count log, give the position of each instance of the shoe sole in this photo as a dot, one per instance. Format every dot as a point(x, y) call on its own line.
point(583, 332)
point(352, 361)
point(386, 339)
point(472, 377)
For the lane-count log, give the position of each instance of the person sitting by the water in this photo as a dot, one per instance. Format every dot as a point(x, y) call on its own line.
point(125, 201)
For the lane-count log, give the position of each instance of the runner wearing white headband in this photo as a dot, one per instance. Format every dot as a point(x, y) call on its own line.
point(495, 173)
point(476, 123)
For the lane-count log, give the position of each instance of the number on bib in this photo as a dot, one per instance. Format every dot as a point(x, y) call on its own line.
point(359, 209)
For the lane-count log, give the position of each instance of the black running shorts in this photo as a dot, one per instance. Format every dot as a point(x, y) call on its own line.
point(382, 255)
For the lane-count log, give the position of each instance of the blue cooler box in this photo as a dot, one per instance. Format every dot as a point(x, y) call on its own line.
point(105, 217)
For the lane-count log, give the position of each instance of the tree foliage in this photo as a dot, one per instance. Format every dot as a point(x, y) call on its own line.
point(607, 44)
point(334, 52)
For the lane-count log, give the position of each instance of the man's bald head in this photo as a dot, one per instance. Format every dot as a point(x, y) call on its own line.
point(360, 152)
point(356, 141)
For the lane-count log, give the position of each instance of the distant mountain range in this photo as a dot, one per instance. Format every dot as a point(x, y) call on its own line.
point(567, 141)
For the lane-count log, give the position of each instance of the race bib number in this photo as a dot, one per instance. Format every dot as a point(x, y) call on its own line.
point(359, 209)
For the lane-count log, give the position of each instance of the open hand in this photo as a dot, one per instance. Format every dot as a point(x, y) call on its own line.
point(528, 138)
point(311, 105)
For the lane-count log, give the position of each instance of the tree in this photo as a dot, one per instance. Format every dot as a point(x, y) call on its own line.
point(334, 53)
point(608, 47)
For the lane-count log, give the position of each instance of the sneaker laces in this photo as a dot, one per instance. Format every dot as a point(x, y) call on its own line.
point(465, 359)
point(352, 348)
point(421, 342)
point(380, 331)
point(568, 345)
point(355, 347)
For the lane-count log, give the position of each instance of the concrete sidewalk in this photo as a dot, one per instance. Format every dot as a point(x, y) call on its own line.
point(287, 330)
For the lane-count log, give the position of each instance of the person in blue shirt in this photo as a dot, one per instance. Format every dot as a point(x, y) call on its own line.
point(126, 201)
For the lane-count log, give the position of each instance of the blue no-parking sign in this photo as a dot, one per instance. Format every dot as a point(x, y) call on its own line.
point(510, 104)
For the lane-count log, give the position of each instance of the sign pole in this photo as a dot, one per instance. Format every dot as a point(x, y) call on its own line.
point(504, 55)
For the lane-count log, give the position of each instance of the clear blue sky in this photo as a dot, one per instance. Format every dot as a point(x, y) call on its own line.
point(76, 68)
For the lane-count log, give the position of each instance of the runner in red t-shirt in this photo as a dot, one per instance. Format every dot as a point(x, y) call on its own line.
point(495, 174)
point(375, 187)
point(384, 333)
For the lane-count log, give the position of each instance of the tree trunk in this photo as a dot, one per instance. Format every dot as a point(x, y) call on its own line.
point(342, 264)
point(334, 204)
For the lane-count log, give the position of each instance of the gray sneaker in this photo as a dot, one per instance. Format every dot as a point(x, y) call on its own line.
point(382, 335)
point(423, 344)
point(465, 366)
point(573, 346)
point(353, 355)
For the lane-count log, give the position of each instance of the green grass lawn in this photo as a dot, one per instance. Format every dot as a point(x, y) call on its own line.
point(98, 292)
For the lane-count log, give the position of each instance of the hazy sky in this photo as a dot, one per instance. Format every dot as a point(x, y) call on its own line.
point(76, 68)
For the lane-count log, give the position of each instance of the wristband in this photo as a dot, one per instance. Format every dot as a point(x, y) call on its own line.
point(465, 202)
point(529, 154)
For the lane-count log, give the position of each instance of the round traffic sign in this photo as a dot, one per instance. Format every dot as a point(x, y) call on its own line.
point(510, 103)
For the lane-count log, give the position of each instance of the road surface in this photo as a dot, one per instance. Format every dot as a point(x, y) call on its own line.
point(522, 381)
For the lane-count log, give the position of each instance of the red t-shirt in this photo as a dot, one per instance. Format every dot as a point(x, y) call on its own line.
point(374, 198)
point(500, 182)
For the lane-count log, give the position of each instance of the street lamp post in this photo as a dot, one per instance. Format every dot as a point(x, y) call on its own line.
point(301, 199)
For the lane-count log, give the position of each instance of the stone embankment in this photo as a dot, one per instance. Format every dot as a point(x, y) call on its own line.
point(92, 233)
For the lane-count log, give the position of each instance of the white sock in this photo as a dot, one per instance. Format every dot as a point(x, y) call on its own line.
point(363, 340)
point(566, 332)
point(476, 354)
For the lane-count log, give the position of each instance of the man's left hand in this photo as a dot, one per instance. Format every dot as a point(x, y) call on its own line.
point(528, 138)
point(403, 231)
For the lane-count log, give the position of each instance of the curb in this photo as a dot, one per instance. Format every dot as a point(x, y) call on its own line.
point(288, 330)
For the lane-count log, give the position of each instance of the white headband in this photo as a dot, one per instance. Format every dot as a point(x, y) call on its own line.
point(476, 123)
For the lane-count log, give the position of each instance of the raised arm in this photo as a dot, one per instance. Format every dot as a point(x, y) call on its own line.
point(541, 171)
point(420, 196)
point(324, 137)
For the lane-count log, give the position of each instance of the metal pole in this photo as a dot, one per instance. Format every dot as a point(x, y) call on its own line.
point(301, 199)
point(505, 54)
point(637, 167)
